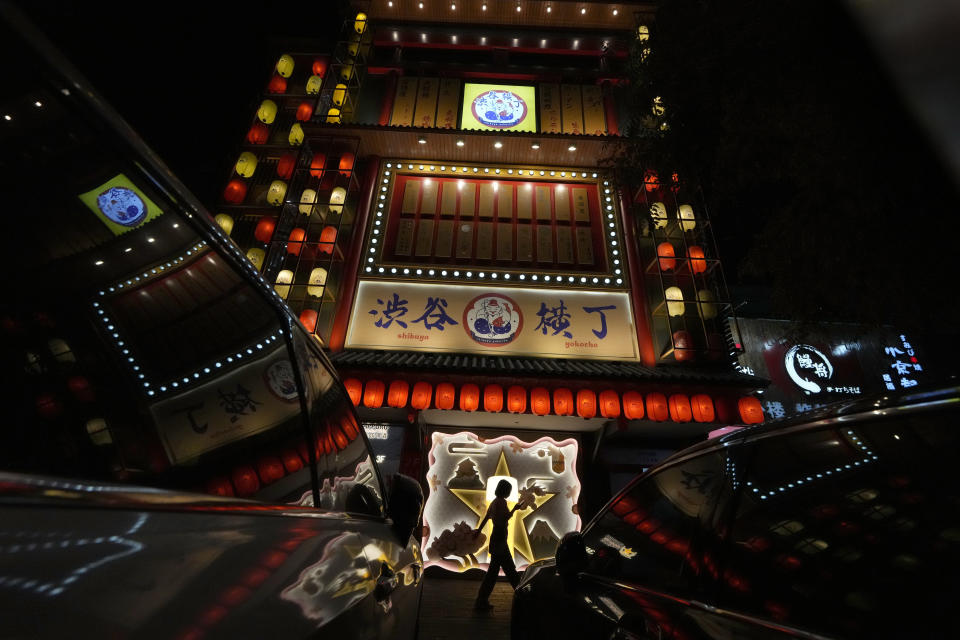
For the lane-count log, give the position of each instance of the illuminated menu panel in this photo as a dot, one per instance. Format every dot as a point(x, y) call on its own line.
point(496, 107)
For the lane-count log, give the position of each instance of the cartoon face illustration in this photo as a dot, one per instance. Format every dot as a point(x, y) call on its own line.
point(499, 108)
point(492, 319)
point(123, 206)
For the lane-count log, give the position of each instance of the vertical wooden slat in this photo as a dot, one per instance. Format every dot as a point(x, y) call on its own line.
point(411, 195)
point(524, 243)
point(404, 103)
point(544, 244)
point(448, 103)
point(550, 108)
point(524, 202)
point(486, 200)
point(485, 241)
point(505, 204)
point(504, 241)
point(444, 246)
point(426, 112)
point(584, 246)
point(581, 209)
point(561, 200)
point(594, 121)
point(572, 108)
point(424, 238)
point(428, 203)
point(448, 198)
point(465, 240)
point(468, 199)
point(404, 237)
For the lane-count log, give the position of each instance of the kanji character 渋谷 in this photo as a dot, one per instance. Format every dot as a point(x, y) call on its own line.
point(435, 315)
point(555, 318)
point(393, 310)
point(602, 333)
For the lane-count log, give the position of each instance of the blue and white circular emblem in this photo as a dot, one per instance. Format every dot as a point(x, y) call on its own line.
point(499, 108)
point(280, 380)
point(123, 206)
point(492, 319)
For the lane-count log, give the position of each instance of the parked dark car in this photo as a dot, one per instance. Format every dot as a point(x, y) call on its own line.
point(178, 458)
point(844, 523)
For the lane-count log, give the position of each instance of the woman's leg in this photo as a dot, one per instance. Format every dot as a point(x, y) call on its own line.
point(486, 587)
point(510, 570)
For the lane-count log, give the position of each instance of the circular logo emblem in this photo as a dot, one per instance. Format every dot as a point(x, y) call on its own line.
point(280, 381)
point(807, 367)
point(122, 206)
point(499, 108)
point(492, 320)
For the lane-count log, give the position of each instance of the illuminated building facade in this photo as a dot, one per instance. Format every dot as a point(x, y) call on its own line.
point(435, 198)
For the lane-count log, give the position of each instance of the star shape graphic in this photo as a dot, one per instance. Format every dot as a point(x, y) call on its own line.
point(517, 539)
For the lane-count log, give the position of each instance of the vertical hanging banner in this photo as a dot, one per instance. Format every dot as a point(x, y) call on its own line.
point(404, 103)
point(447, 103)
point(426, 103)
point(594, 120)
point(498, 107)
point(572, 108)
point(550, 108)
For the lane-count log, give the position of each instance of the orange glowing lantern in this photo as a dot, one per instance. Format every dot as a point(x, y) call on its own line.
point(683, 350)
point(219, 486)
point(327, 237)
point(346, 164)
point(698, 260)
point(493, 398)
point(286, 165)
point(516, 399)
point(633, 405)
point(563, 402)
point(319, 67)
point(586, 403)
point(657, 407)
point(291, 460)
point(651, 181)
point(235, 192)
point(609, 403)
point(445, 395)
point(270, 469)
point(354, 389)
point(540, 401)
point(469, 397)
point(304, 111)
point(398, 393)
point(258, 133)
point(675, 182)
point(373, 394)
point(264, 229)
point(701, 406)
point(680, 410)
point(308, 318)
point(245, 481)
point(277, 84)
point(295, 241)
point(316, 164)
point(666, 255)
point(751, 411)
point(422, 392)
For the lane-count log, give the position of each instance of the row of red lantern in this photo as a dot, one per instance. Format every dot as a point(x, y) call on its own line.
point(666, 255)
point(268, 224)
point(651, 181)
point(586, 403)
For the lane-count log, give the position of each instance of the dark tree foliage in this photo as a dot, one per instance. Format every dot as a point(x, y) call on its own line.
point(819, 181)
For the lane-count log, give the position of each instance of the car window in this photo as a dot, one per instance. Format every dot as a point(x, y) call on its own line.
point(851, 530)
point(656, 532)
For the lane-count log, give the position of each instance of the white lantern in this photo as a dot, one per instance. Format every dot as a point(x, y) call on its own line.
point(296, 134)
point(687, 221)
point(337, 197)
point(674, 301)
point(267, 111)
point(276, 192)
point(707, 303)
point(225, 222)
point(284, 278)
point(60, 350)
point(307, 199)
point(256, 257)
point(658, 212)
point(246, 164)
point(318, 279)
point(285, 65)
point(313, 85)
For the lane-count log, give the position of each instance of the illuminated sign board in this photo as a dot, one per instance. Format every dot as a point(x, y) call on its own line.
point(489, 319)
point(464, 470)
point(497, 107)
point(120, 205)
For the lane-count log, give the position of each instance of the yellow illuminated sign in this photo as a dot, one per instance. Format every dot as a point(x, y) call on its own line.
point(120, 204)
point(497, 107)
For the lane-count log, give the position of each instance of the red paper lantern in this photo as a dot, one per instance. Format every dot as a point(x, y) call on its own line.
point(675, 182)
point(586, 403)
point(270, 469)
point(683, 346)
point(81, 389)
point(701, 406)
point(398, 393)
point(445, 395)
point(516, 399)
point(420, 398)
point(354, 390)
point(493, 398)
point(48, 406)
point(295, 241)
point(264, 229)
point(679, 406)
point(698, 260)
point(633, 405)
point(245, 481)
point(219, 486)
point(286, 164)
point(304, 111)
point(651, 181)
point(563, 402)
point(316, 164)
point(373, 394)
point(319, 67)
point(235, 192)
point(609, 403)
point(277, 84)
point(666, 255)
point(751, 411)
point(540, 401)
point(258, 134)
point(327, 239)
point(469, 397)
point(657, 409)
point(308, 318)
point(346, 164)
point(291, 460)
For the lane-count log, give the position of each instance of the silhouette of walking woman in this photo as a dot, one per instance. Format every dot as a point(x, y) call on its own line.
point(500, 557)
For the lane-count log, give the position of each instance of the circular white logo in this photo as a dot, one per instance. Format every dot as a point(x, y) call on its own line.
point(807, 367)
point(492, 319)
point(499, 108)
point(122, 206)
